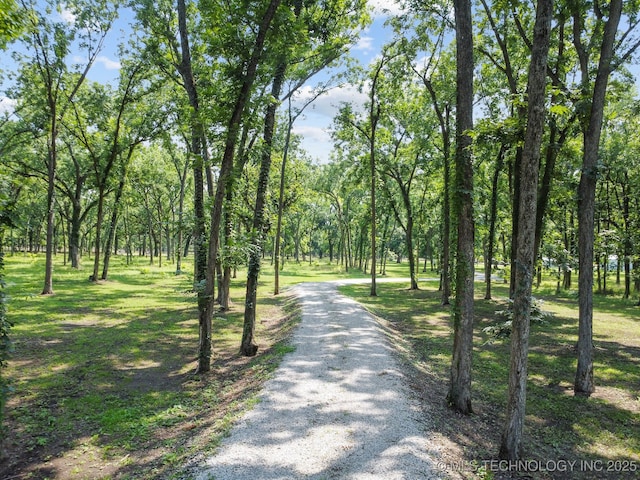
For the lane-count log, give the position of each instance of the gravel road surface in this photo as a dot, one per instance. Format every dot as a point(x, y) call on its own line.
point(337, 408)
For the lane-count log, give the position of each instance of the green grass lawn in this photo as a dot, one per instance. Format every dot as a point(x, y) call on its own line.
point(102, 373)
point(604, 428)
point(103, 383)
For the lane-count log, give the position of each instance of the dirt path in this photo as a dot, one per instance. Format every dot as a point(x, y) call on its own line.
point(336, 408)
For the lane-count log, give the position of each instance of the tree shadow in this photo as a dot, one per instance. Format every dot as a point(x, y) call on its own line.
point(596, 432)
point(333, 408)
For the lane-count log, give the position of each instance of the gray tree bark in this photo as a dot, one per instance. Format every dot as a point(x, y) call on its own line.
point(199, 236)
point(584, 384)
point(511, 445)
point(459, 395)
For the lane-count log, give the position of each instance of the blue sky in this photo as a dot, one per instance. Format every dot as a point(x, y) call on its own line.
point(313, 126)
point(316, 120)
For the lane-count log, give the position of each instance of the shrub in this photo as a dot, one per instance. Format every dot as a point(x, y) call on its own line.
point(503, 328)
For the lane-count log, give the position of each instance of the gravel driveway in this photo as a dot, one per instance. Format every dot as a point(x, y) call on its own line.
point(336, 408)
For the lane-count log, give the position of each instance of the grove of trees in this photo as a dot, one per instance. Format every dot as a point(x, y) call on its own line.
point(494, 130)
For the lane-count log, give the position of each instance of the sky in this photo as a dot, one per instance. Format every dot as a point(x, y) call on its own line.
point(313, 126)
point(315, 122)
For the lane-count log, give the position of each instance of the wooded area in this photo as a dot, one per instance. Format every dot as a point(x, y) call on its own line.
point(494, 133)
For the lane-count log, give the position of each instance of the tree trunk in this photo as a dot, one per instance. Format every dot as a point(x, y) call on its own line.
point(64, 240)
point(374, 116)
point(199, 231)
point(180, 233)
point(443, 120)
point(446, 229)
point(515, 214)
point(248, 346)
point(74, 235)
point(226, 167)
point(51, 207)
point(372, 158)
point(493, 220)
point(627, 244)
point(584, 384)
point(413, 268)
point(556, 140)
point(224, 280)
point(511, 444)
point(113, 225)
point(114, 217)
point(98, 239)
point(383, 247)
point(276, 253)
point(459, 395)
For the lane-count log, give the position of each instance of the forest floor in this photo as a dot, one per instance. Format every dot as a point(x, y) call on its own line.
point(103, 385)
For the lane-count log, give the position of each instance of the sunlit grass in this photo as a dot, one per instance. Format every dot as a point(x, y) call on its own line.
point(107, 368)
point(558, 425)
point(105, 371)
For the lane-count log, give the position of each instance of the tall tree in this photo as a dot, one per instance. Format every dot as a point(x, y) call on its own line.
point(367, 129)
point(511, 445)
point(592, 128)
point(560, 127)
point(291, 188)
point(459, 394)
point(248, 347)
point(241, 99)
point(199, 152)
point(404, 154)
point(510, 63)
point(170, 45)
point(142, 122)
point(292, 116)
point(443, 111)
point(50, 42)
point(72, 177)
point(620, 153)
point(98, 124)
point(423, 32)
point(493, 218)
point(283, 63)
point(181, 165)
point(374, 117)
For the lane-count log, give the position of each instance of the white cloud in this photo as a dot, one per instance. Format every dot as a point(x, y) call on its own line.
point(365, 44)
point(327, 105)
point(7, 105)
point(66, 14)
point(315, 123)
point(105, 61)
point(108, 63)
point(316, 141)
point(346, 94)
point(311, 133)
point(384, 8)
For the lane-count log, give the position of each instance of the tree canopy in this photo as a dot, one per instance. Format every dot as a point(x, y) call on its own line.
point(448, 149)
